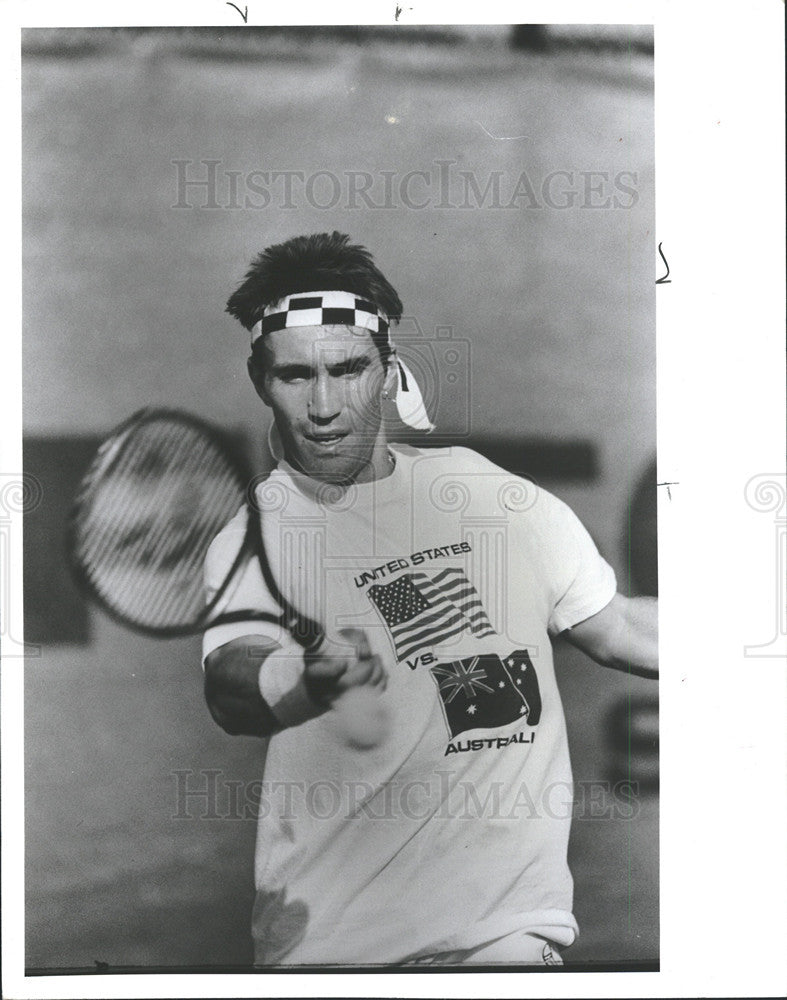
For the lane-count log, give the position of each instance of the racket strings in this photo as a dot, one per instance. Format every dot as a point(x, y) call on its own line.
point(97, 498)
point(132, 530)
point(178, 592)
point(193, 550)
point(116, 519)
point(147, 517)
point(136, 496)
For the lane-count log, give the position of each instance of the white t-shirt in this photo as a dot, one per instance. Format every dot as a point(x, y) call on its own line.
point(454, 831)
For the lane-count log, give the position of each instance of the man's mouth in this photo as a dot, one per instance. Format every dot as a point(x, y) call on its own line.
point(326, 440)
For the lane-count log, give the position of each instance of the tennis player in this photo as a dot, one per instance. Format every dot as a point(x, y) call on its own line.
point(436, 831)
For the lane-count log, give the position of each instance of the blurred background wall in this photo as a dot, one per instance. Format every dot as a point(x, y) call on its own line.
point(523, 241)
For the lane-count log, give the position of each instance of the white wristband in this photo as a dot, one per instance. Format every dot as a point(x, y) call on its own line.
point(283, 689)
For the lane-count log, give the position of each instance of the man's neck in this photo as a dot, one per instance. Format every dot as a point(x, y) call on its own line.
point(380, 466)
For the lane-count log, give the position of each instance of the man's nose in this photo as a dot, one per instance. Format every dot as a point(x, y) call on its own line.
point(326, 400)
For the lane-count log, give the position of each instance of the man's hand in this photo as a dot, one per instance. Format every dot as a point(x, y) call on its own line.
point(345, 676)
point(333, 669)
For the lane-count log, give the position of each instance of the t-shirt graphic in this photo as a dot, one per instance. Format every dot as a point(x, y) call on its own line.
point(422, 611)
point(485, 692)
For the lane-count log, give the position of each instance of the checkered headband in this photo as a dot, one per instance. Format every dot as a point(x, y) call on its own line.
point(320, 309)
point(345, 308)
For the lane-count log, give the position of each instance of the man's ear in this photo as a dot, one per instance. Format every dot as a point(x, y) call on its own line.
point(258, 381)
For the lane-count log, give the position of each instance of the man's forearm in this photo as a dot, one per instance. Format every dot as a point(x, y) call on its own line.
point(623, 635)
point(637, 648)
point(255, 687)
point(232, 689)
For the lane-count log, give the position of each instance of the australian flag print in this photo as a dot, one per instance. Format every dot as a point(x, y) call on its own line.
point(422, 611)
point(485, 692)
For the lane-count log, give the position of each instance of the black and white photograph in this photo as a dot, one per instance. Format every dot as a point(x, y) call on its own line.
point(340, 484)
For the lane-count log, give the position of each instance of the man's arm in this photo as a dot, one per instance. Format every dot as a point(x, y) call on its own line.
point(623, 635)
point(232, 688)
point(308, 684)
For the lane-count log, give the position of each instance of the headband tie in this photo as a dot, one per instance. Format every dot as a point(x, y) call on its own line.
point(345, 308)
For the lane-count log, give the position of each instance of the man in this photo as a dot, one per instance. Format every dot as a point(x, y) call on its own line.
point(436, 830)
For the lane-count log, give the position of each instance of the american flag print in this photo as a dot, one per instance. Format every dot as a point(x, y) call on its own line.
point(485, 692)
point(423, 611)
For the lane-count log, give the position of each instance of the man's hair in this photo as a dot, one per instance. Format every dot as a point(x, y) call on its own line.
point(320, 262)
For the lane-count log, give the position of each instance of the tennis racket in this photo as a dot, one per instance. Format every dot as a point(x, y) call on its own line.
point(158, 491)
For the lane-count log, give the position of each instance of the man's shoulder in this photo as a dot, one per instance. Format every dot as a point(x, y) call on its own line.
point(230, 537)
point(460, 462)
point(455, 458)
point(236, 524)
point(514, 492)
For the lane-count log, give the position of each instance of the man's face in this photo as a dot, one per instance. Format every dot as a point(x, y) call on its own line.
point(324, 385)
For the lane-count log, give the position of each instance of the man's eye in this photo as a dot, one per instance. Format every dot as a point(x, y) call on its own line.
point(293, 375)
point(353, 368)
